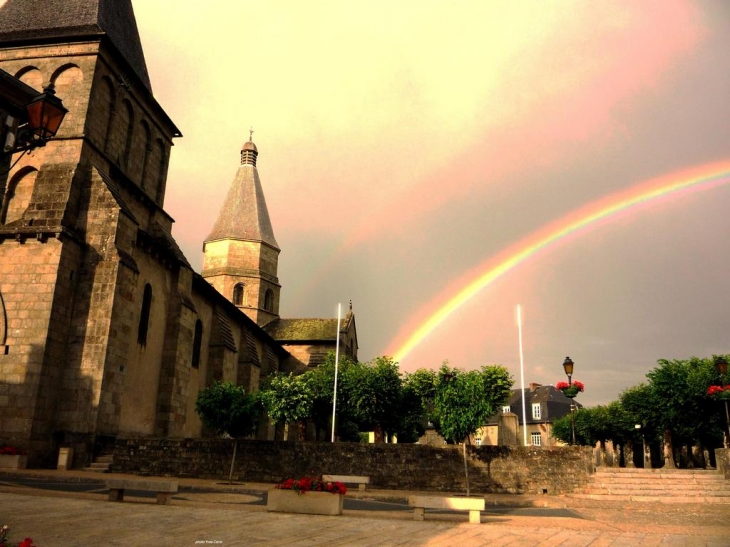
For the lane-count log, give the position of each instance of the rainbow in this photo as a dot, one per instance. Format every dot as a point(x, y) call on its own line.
point(699, 178)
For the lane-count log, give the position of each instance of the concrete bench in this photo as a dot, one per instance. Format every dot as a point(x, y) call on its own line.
point(421, 503)
point(360, 480)
point(164, 489)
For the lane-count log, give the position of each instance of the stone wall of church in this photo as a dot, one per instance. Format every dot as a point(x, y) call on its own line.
point(529, 470)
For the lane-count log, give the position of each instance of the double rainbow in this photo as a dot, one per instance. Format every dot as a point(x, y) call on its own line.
point(700, 178)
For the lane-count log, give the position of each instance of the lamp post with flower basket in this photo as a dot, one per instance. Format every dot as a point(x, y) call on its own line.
point(570, 390)
point(722, 393)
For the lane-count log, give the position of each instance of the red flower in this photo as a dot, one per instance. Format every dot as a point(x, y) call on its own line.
point(27, 542)
point(310, 484)
point(562, 385)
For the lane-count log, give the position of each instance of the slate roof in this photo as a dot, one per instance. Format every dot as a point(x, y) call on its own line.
point(312, 330)
point(556, 404)
point(46, 20)
point(244, 214)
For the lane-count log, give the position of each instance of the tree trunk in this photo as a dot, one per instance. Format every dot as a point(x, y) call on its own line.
point(466, 468)
point(616, 455)
point(668, 450)
point(378, 434)
point(629, 454)
point(233, 460)
point(604, 458)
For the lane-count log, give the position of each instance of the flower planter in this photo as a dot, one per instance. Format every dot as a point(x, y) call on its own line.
point(571, 392)
point(313, 503)
point(16, 461)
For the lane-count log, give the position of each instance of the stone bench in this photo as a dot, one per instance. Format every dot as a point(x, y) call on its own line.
point(421, 503)
point(164, 489)
point(360, 480)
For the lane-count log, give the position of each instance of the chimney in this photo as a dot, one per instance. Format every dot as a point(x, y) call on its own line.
point(534, 386)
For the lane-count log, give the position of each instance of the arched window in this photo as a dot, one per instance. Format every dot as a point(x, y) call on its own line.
point(17, 195)
point(144, 318)
point(238, 294)
point(269, 300)
point(197, 342)
point(128, 113)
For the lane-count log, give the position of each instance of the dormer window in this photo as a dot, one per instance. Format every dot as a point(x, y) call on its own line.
point(536, 411)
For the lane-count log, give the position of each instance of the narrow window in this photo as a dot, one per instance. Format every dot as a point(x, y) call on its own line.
point(536, 411)
point(269, 301)
point(536, 439)
point(505, 409)
point(197, 342)
point(144, 318)
point(238, 294)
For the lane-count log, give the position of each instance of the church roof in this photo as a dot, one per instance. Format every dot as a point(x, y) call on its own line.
point(244, 214)
point(314, 330)
point(33, 21)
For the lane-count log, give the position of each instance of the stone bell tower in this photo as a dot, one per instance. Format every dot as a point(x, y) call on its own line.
point(241, 256)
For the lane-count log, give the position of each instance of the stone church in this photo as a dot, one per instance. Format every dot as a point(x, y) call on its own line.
point(105, 329)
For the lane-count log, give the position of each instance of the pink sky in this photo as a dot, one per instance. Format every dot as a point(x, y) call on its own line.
point(402, 144)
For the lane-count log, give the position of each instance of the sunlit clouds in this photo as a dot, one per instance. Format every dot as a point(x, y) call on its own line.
point(404, 144)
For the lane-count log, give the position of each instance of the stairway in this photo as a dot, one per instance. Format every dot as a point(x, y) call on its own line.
point(656, 485)
point(102, 464)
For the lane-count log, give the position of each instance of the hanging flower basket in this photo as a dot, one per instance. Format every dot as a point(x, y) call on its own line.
point(720, 393)
point(572, 389)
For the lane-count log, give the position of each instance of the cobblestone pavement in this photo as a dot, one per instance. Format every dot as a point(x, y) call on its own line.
point(224, 516)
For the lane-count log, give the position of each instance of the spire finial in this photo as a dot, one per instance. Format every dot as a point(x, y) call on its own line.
point(250, 134)
point(350, 304)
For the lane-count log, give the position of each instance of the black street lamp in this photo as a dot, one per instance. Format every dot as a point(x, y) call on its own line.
point(568, 368)
point(28, 119)
point(721, 369)
point(45, 114)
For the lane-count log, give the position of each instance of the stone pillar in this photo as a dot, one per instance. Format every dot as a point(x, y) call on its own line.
point(507, 430)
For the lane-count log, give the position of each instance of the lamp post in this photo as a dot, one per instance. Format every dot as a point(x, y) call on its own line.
point(721, 368)
point(568, 368)
point(35, 123)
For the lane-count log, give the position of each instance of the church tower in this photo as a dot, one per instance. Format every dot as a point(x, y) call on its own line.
point(241, 256)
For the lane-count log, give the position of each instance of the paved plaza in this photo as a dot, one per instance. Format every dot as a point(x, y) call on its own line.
point(208, 513)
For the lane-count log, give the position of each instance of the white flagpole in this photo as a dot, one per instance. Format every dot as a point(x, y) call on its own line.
point(522, 378)
point(337, 362)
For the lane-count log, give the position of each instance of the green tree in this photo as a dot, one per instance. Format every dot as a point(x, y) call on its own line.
point(322, 382)
point(375, 395)
point(288, 399)
point(227, 409)
point(464, 401)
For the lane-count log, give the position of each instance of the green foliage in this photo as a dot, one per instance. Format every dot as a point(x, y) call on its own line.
point(673, 400)
point(374, 394)
point(227, 409)
point(288, 398)
point(464, 401)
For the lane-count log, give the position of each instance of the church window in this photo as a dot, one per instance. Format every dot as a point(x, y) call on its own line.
point(269, 301)
point(144, 318)
point(129, 118)
point(238, 294)
point(147, 149)
point(162, 172)
point(17, 196)
point(197, 343)
point(108, 100)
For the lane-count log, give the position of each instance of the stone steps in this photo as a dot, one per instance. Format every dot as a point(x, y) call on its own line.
point(102, 464)
point(656, 486)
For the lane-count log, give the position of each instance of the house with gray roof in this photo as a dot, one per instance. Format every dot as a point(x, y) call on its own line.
point(543, 405)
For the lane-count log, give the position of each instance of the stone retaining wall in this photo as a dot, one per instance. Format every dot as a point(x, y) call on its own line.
point(494, 469)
